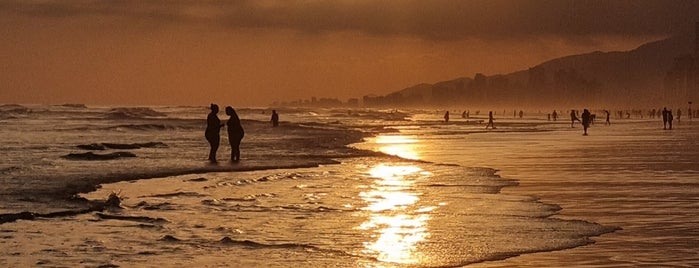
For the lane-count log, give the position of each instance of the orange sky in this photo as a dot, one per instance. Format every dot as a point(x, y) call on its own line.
point(187, 53)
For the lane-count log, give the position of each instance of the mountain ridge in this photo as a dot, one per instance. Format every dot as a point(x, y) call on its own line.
point(632, 78)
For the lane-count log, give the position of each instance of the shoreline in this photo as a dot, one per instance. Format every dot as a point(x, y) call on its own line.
point(64, 191)
point(99, 206)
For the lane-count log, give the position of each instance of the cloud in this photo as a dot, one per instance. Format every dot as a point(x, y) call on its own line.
point(431, 20)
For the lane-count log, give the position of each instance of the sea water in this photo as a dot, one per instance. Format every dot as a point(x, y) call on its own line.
point(449, 197)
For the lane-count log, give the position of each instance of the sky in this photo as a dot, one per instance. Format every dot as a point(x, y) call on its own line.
point(252, 53)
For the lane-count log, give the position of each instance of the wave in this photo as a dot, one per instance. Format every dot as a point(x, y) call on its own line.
point(6, 170)
point(143, 219)
point(73, 105)
point(143, 127)
point(14, 109)
point(133, 112)
point(176, 194)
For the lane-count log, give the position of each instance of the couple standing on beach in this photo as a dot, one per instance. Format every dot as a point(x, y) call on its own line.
point(235, 132)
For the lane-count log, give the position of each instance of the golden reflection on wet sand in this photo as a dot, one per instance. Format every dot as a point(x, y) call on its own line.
point(398, 145)
point(397, 223)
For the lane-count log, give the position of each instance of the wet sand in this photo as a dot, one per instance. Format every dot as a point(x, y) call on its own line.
point(633, 175)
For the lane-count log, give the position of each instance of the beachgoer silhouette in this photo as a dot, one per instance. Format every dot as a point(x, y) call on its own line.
point(586, 120)
point(235, 133)
point(213, 125)
point(490, 120)
point(548, 116)
point(665, 118)
point(446, 117)
point(669, 119)
point(521, 113)
point(275, 118)
point(555, 115)
point(573, 118)
point(608, 122)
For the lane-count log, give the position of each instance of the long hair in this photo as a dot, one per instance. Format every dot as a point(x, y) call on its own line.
point(234, 116)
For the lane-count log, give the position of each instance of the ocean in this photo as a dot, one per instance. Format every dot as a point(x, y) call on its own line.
point(343, 188)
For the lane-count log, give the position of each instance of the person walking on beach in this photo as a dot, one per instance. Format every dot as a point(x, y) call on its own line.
point(490, 120)
point(573, 118)
point(555, 115)
point(275, 118)
point(586, 120)
point(213, 125)
point(235, 133)
point(608, 122)
point(665, 118)
point(669, 119)
point(446, 117)
point(679, 115)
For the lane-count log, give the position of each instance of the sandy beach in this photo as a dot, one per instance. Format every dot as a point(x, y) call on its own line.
point(415, 192)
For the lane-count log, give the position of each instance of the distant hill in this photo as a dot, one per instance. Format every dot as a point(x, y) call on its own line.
point(629, 78)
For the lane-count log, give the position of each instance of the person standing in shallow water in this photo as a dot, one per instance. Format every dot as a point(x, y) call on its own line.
point(446, 117)
point(665, 118)
point(608, 122)
point(213, 126)
point(573, 118)
point(586, 120)
point(669, 119)
point(275, 118)
point(235, 133)
point(490, 120)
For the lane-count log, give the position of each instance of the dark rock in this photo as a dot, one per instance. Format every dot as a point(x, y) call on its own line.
point(90, 156)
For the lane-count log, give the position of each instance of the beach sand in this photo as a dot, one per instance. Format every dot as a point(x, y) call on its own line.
point(530, 194)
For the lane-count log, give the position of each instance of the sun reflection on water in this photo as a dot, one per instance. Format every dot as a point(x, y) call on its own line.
point(398, 145)
point(397, 221)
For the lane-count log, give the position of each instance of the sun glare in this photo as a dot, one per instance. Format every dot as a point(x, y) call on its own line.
point(398, 145)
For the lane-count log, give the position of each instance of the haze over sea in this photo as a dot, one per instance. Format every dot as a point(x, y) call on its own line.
point(344, 188)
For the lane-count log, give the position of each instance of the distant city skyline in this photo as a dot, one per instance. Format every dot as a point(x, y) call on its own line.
point(253, 53)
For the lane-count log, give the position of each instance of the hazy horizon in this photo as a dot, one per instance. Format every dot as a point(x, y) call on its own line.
point(252, 53)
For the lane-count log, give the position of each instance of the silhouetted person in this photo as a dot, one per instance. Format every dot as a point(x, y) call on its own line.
point(548, 116)
point(463, 115)
point(608, 122)
point(235, 133)
point(446, 117)
point(275, 118)
point(213, 125)
point(665, 118)
point(573, 118)
point(669, 119)
point(555, 115)
point(586, 120)
point(490, 121)
point(521, 113)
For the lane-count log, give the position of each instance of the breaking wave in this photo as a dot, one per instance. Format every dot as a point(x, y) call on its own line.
point(133, 112)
